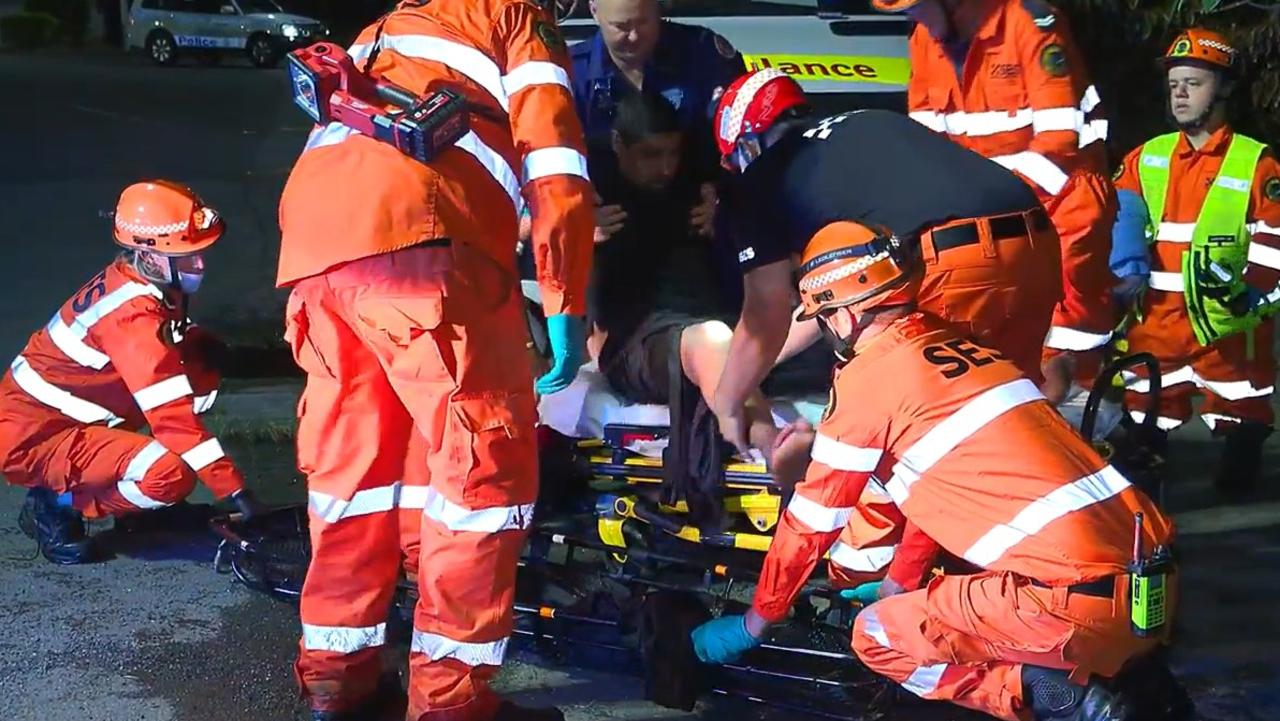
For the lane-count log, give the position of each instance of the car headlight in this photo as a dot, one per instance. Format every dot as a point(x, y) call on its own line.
point(290, 31)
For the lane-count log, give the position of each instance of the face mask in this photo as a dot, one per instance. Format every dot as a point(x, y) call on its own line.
point(189, 282)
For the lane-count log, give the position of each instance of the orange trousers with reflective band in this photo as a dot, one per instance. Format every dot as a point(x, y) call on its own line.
point(965, 638)
point(1002, 292)
point(419, 403)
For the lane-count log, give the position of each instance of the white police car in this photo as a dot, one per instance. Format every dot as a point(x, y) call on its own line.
point(844, 53)
point(206, 29)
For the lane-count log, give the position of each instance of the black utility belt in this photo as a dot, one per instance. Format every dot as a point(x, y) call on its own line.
point(1101, 588)
point(1003, 227)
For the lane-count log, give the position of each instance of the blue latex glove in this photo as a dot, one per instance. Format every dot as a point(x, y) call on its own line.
point(866, 594)
point(567, 336)
point(1130, 252)
point(723, 640)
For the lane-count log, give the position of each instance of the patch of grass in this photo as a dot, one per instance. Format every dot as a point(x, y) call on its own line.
point(251, 430)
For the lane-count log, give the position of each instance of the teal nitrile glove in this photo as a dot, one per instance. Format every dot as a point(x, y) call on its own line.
point(567, 336)
point(866, 594)
point(723, 640)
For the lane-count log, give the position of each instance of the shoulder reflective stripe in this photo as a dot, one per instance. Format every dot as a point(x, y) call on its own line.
point(130, 491)
point(463, 58)
point(1036, 167)
point(1087, 491)
point(534, 72)
point(863, 560)
point(1166, 281)
point(495, 164)
point(342, 639)
point(484, 520)
point(203, 454)
point(844, 457)
point(924, 680)
point(930, 119)
point(77, 408)
point(331, 509)
point(1238, 184)
point(202, 404)
point(143, 460)
point(435, 647)
point(330, 134)
point(1235, 390)
point(70, 337)
point(1261, 226)
point(1175, 232)
point(1063, 338)
point(557, 160)
point(1264, 255)
point(1133, 382)
point(157, 394)
point(1164, 423)
point(1050, 119)
point(819, 518)
point(954, 430)
point(73, 345)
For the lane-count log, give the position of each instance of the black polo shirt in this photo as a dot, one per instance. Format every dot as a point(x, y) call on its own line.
point(871, 166)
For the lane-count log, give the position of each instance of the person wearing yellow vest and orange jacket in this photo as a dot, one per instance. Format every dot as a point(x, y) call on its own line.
point(1211, 201)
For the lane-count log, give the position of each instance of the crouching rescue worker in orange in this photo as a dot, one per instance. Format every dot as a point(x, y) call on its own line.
point(1211, 199)
point(1004, 78)
point(982, 466)
point(406, 315)
point(119, 355)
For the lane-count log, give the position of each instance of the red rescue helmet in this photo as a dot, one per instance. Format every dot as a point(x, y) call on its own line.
point(166, 218)
point(1206, 48)
point(850, 264)
point(748, 108)
point(893, 6)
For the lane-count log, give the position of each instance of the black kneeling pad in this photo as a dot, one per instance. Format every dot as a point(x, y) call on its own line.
point(673, 675)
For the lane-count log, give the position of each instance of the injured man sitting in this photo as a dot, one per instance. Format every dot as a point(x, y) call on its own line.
point(659, 315)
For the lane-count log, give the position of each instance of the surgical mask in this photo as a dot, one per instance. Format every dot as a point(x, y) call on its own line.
point(189, 282)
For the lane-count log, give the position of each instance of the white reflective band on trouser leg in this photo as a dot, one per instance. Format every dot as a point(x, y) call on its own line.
point(136, 471)
point(1137, 384)
point(1261, 226)
point(342, 639)
point(203, 454)
point(76, 408)
point(435, 647)
point(557, 160)
point(485, 520)
point(1264, 255)
point(1063, 338)
point(1213, 419)
point(844, 457)
point(1234, 390)
point(862, 560)
point(1164, 423)
point(924, 679)
point(953, 430)
point(1165, 281)
point(1036, 167)
point(331, 509)
point(1087, 491)
point(158, 394)
point(819, 518)
point(202, 404)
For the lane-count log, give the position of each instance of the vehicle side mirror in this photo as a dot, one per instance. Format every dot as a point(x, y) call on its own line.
point(229, 10)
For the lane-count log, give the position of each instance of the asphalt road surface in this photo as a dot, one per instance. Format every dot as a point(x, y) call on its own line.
point(154, 634)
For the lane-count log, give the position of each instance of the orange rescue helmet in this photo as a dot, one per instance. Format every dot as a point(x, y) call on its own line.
point(166, 218)
point(1198, 46)
point(851, 264)
point(893, 6)
point(748, 109)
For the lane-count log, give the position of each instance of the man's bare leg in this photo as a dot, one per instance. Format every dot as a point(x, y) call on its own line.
point(704, 350)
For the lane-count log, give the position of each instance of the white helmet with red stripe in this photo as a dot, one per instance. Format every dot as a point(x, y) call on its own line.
point(749, 109)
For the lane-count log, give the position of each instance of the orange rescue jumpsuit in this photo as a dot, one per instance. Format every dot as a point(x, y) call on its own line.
point(978, 461)
point(112, 360)
point(406, 315)
point(1022, 97)
point(1237, 380)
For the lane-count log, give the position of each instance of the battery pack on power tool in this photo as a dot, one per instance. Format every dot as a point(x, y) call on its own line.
point(1148, 587)
point(329, 88)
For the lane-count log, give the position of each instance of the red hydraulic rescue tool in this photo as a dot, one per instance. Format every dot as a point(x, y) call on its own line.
point(329, 88)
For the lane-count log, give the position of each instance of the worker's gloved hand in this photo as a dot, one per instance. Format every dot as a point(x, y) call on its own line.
point(248, 504)
point(866, 594)
point(723, 640)
point(1215, 281)
point(567, 336)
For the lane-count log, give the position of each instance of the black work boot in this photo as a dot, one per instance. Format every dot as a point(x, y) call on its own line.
point(387, 703)
point(1053, 697)
point(58, 530)
point(1241, 464)
point(509, 711)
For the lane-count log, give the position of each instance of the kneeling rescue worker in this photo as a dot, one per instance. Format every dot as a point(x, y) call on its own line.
point(119, 355)
point(406, 315)
point(980, 463)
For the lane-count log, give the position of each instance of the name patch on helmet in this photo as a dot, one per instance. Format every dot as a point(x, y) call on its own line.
point(1054, 60)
